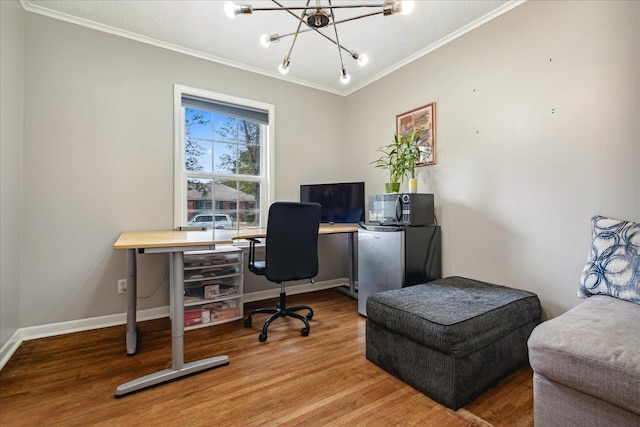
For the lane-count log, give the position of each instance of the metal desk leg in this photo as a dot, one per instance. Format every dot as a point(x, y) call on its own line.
point(132, 285)
point(178, 369)
point(351, 291)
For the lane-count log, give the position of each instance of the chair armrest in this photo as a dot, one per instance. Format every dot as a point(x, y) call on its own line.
point(252, 251)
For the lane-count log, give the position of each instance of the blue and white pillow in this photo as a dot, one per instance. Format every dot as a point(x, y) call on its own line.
point(613, 265)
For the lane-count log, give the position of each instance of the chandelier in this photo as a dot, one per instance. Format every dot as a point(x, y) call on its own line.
point(318, 17)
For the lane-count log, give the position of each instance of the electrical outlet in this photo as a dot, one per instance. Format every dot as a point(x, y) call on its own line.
point(122, 286)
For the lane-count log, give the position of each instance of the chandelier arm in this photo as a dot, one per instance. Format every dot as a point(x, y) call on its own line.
point(354, 6)
point(358, 17)
point(297, 32)
point(335, 29)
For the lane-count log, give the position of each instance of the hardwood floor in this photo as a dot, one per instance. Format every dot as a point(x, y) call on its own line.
point(320, 380)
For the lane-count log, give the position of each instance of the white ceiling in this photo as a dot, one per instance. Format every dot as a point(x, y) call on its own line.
point(202, 29)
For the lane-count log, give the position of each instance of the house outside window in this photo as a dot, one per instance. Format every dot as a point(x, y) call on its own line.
point(223, 155)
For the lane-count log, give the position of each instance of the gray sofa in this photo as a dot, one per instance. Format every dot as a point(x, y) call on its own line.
point(586, 362)
point(586, 365)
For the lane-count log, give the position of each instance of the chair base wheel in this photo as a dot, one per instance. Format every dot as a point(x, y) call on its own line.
point(281, 311)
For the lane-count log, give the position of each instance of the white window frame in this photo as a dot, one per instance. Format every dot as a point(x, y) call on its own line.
point(267, 151)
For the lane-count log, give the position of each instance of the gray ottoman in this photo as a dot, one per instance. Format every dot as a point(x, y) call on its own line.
point(451, 338)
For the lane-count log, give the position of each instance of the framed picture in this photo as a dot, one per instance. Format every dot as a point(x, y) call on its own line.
point(425, 118)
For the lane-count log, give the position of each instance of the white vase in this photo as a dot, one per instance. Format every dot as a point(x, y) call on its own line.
point(413, 185)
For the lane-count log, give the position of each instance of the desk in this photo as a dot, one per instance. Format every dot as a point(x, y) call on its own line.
point(175, 243)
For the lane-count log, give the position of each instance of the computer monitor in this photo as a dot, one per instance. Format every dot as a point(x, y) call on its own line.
point(341, 202)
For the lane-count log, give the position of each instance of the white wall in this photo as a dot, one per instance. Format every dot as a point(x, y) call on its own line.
point(538, 117)
point(11, 87)
point(98, 160)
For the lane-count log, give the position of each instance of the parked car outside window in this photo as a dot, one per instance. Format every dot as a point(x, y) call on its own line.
point(222, 221)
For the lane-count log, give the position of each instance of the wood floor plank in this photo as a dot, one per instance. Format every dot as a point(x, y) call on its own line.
point(320, 380)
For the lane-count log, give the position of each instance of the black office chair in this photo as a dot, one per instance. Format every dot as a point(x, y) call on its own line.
point(291, 254)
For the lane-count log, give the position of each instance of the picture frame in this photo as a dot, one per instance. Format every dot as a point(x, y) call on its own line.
point(422, 117)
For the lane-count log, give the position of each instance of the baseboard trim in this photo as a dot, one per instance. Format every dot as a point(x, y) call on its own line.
point(10, 347)
point(53, 329)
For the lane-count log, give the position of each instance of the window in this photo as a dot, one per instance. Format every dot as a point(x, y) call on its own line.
point(222, 160)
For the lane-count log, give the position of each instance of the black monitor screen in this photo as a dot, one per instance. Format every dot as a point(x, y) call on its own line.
point(341, 203)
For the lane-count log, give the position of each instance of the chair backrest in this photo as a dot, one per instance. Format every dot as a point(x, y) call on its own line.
point(292, 241)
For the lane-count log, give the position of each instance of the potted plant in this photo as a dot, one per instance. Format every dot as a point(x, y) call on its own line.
point(389, 160)
point(412, 155)
point(399, 159)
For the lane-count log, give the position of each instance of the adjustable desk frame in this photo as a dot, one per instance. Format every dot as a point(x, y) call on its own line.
point(175, 243)
point(161, 242)
point(351, 290)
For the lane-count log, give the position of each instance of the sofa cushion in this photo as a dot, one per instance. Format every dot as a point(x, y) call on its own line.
point(593, 348)
point(454, 315)
point(613, 264)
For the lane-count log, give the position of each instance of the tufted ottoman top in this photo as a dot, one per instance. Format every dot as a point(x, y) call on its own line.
point(454, 315)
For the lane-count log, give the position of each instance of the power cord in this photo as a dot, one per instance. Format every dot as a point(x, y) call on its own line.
point(431, 247)
point(162, 280)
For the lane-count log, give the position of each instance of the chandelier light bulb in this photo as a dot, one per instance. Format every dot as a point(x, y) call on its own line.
point(266, 39)
point(363, 59)
point(406, 7)
point(231, 10)
point(284, 67)
point(345, 78)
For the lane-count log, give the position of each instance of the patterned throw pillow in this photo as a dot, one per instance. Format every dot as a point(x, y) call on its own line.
point(613, 265)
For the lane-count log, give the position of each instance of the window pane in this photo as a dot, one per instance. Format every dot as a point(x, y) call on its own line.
point(249, 160)
point(249, 201)
point(198, 123)
point(248, 132)
point(198, 156)
point(224, 127)
point(225, 157)
point(199, 200)
point(225, 199)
